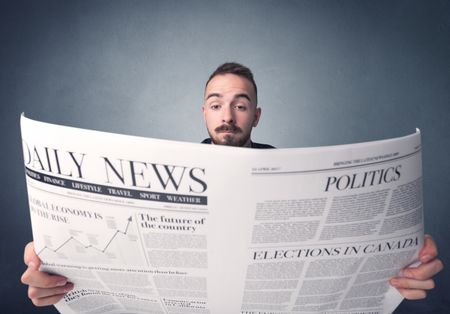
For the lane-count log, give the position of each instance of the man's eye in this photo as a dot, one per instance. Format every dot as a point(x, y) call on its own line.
point(215, 106)
point(240, 107)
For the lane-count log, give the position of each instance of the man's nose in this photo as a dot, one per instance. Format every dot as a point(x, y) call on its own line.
point(227, 114)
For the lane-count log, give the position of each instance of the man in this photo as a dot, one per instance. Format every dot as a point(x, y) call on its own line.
point(230, 108)
point(230, 111)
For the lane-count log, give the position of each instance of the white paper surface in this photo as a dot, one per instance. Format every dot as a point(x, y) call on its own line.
point(150, 226)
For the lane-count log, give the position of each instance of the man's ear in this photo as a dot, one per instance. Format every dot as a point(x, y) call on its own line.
point(257, 116)
point(204, 113)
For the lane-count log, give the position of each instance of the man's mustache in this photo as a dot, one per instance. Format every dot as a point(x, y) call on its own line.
point(228, 128)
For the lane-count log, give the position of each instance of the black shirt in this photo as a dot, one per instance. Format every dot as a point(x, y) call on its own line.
point(253, 144)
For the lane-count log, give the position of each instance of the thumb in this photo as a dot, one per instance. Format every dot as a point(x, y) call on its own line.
point(30, 257)
point(429, 250)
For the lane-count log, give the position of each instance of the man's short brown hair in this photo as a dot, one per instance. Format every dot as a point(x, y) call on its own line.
point(236, 69)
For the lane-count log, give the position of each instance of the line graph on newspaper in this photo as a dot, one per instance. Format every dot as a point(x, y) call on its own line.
point(93, 236)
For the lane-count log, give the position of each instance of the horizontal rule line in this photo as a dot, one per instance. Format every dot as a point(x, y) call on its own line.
point(337, 168)
point(115, 191)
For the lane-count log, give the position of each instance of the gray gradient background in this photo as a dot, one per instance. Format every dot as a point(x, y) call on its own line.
point(329, 72)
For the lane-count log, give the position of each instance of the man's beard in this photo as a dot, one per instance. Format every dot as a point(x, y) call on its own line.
point(229, 140)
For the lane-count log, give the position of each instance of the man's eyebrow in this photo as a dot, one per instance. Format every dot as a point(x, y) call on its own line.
point(213, 95)
point(243, 96)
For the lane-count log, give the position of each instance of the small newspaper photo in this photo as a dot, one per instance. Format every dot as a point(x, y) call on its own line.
point(143, 225)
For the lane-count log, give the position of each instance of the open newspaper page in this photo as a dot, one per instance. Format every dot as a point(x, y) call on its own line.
point(332, 226)
point(150, 226)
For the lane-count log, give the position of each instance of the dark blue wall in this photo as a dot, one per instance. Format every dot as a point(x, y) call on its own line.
point(329, 72)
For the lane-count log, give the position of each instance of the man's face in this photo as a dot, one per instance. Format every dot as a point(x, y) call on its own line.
point(230, 110)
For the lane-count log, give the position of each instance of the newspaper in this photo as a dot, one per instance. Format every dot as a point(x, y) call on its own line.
point(143, 225)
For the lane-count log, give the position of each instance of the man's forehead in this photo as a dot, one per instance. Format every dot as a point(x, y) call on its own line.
point(229, 84)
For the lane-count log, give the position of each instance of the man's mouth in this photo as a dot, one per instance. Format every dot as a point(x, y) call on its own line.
point(225, 128)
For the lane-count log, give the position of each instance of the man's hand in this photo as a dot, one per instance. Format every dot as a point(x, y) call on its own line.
point(44, 289)
point(414, 282)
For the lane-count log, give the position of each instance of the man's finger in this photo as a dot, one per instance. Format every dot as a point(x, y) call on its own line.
point(48, 300)
point(41, 293)
point(30, 257)
point(412, 284)
point(423, 271)
point(413, 294)
point(429, 250)
point(40, 279)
